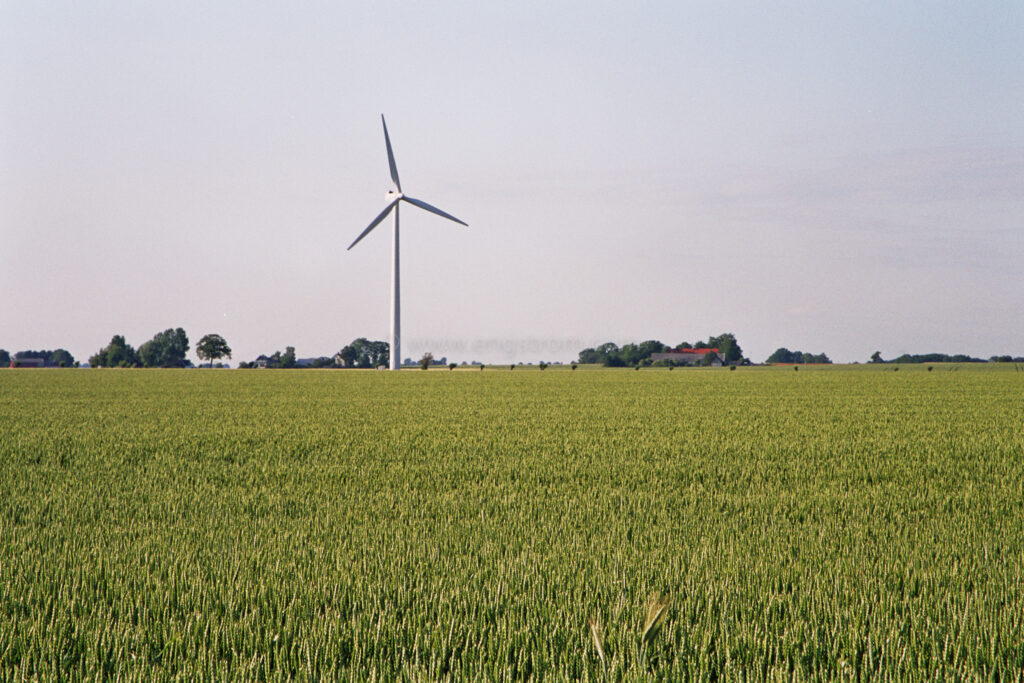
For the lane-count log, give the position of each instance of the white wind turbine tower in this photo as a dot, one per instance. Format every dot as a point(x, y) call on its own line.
point(393, 197)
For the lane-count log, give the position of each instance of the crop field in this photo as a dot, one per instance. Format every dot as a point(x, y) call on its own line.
point(598, 525)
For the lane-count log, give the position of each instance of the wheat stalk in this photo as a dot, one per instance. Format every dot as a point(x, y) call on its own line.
point(595, 632)
point(657, 607)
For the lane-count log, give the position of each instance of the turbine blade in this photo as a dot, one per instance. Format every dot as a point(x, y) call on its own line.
point(383, 214)
point(433, 209)
point(391, 156)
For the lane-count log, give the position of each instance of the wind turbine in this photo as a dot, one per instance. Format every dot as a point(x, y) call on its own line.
point(393, 197)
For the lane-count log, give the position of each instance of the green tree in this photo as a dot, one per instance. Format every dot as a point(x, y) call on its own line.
point(116, 354)
point(876, 357)
point(598, 355)
point(363, 353)
point(630, 354)
point(348, 356)
point(288, 357)
point(5, 358)
point(728, 348)
point(426, 360)
point(212, 347)
point(614, 361)
point(167, 349)
point(652, 346)
point(780, 355)
point(784, 355)
point(634, 354)
point(380, 353)
point(60, 358)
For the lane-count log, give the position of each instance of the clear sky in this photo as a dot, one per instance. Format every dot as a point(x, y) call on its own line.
point(829, 177)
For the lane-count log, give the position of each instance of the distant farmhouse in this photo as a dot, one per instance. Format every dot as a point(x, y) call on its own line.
point(690, 357)
point(58, 358)
point(265, 361)
point(19, 361)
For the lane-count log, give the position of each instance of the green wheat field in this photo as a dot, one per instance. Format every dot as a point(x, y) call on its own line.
point(847, 523)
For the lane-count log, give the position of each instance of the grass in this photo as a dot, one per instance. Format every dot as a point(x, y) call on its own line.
point(831, 524)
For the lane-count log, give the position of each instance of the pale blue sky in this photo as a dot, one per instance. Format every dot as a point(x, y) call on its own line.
point(837, 177)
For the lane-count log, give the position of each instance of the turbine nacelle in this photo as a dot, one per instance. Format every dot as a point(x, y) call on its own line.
point(396, 195)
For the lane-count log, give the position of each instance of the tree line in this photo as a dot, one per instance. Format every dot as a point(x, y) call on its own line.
point(876, 357)
point(787, 357)
point(57, 358)
point(611, 355)
point(167, 349)
point(361, 353)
